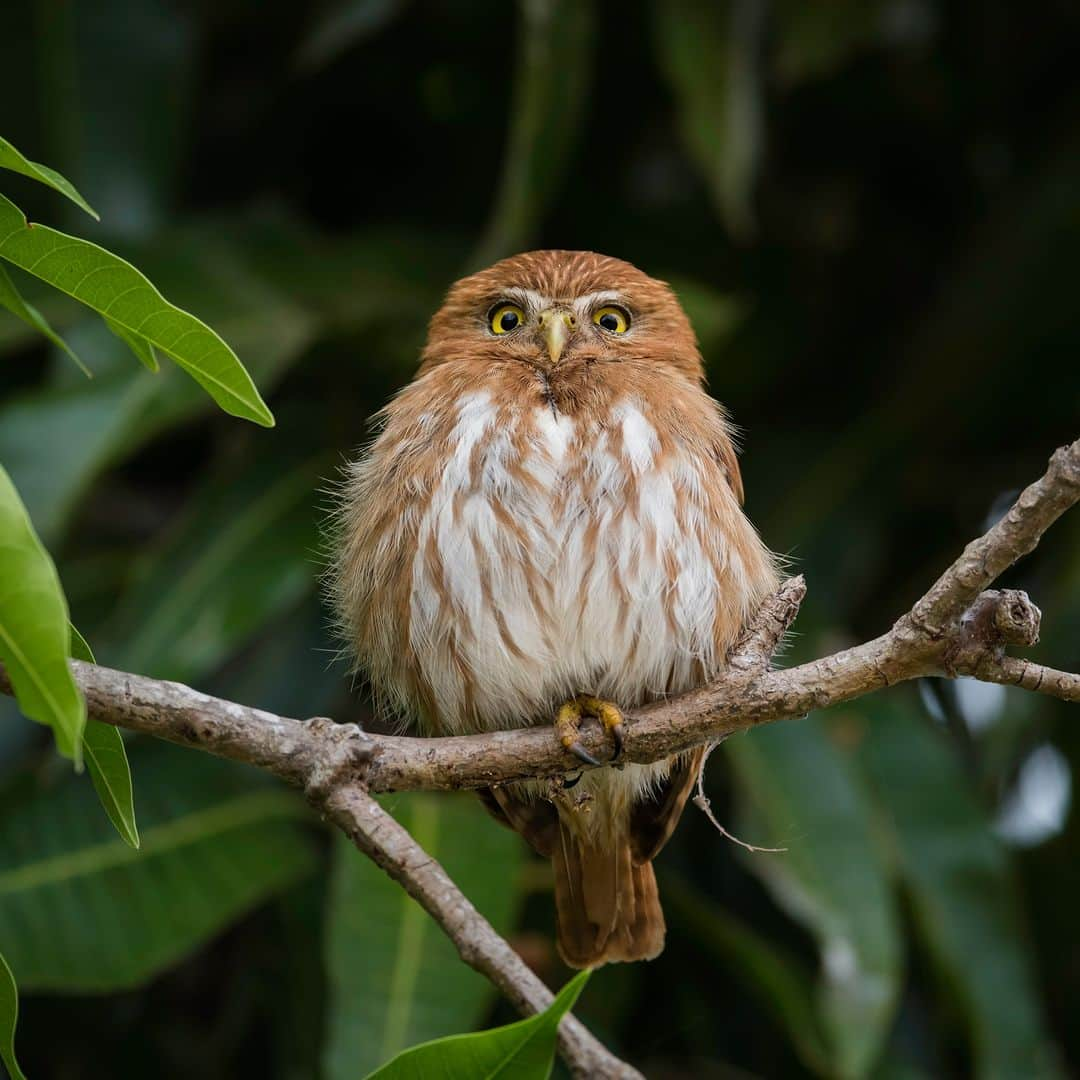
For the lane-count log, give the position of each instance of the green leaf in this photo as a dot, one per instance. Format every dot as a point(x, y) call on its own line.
point(807, 796)
point(10, 158)
point(116, 413)
point(143, 350)
point(82, 911)
point(961, 885)
point(232, 272)
point(80, 647)
point(251, 303)
point(106, 761)
point(34, 629)
point(9, 1018)
point(395, 978)
point(117, 291)
point(710, 54)
point(521, 1051)
point(13, 301)
point(548, 106)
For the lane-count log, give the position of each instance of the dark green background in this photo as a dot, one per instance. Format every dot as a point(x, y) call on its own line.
point(881, 261)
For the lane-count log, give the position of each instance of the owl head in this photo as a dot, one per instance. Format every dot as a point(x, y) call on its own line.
point(555, 310)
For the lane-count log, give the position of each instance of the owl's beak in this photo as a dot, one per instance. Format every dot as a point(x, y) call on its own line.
point(556, 326)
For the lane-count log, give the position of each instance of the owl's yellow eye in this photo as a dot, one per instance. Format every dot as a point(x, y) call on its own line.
point(612, 319)
point(506, 317)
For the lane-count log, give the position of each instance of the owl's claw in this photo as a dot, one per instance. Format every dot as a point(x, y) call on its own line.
point(581, 753)
point(568, 725)
point(617, 731)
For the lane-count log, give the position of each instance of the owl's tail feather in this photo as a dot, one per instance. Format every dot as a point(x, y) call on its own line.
point(608, 909)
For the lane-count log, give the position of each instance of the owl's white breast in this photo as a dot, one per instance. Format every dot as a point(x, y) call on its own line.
point(554, 559)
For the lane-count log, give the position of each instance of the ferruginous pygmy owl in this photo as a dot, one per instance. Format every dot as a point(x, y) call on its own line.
point(549, 524)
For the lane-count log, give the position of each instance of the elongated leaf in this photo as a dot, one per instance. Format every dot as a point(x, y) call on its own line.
point(710, 53)
point(9, 1018)
point(143, 350)
point(13, 301)
point(116, 290)
point(34, 629)
point(82, 911)
point(961, 887)
point(807, 796)
point(239, 294)
point(10, 158)
point(521, 1051)
point(549, 87)
point(241, 556)
point(395, 978)
point(106, 761)
point(80, 647)
point(115, 414)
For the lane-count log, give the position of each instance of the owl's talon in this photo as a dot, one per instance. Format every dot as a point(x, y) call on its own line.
point(580, 752)
point(609, 716)
point(568, 725)
point(617, 733)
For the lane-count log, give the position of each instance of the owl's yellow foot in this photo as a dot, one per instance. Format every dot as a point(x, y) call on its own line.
point(568, 725)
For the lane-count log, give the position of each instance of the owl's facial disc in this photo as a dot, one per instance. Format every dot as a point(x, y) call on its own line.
point(555, 327)
point(548, 331)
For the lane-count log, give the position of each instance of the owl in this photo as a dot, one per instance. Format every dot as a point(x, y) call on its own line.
point(549, 524)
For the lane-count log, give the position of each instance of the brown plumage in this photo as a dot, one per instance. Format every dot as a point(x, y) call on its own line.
point(553, 507)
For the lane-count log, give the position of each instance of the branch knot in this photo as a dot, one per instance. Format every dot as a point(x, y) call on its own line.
point(339, 755)
point(997, 618)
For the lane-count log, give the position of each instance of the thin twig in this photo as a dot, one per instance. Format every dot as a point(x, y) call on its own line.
point(1043, 680)
point(753, 652)
point(704, 804)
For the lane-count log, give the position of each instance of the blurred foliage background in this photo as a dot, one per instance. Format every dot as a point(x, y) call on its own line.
point(872, 212)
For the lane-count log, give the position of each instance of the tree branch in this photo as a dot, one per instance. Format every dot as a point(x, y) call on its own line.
point(379, 836)
point(1017, 534)
point(326, 759)
point(1043, 680)
point(956, 628)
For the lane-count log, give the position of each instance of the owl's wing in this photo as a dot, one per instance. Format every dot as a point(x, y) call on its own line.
point(536, 819)
point(653, 820)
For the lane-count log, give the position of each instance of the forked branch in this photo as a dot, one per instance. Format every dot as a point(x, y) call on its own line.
point(958, 627)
